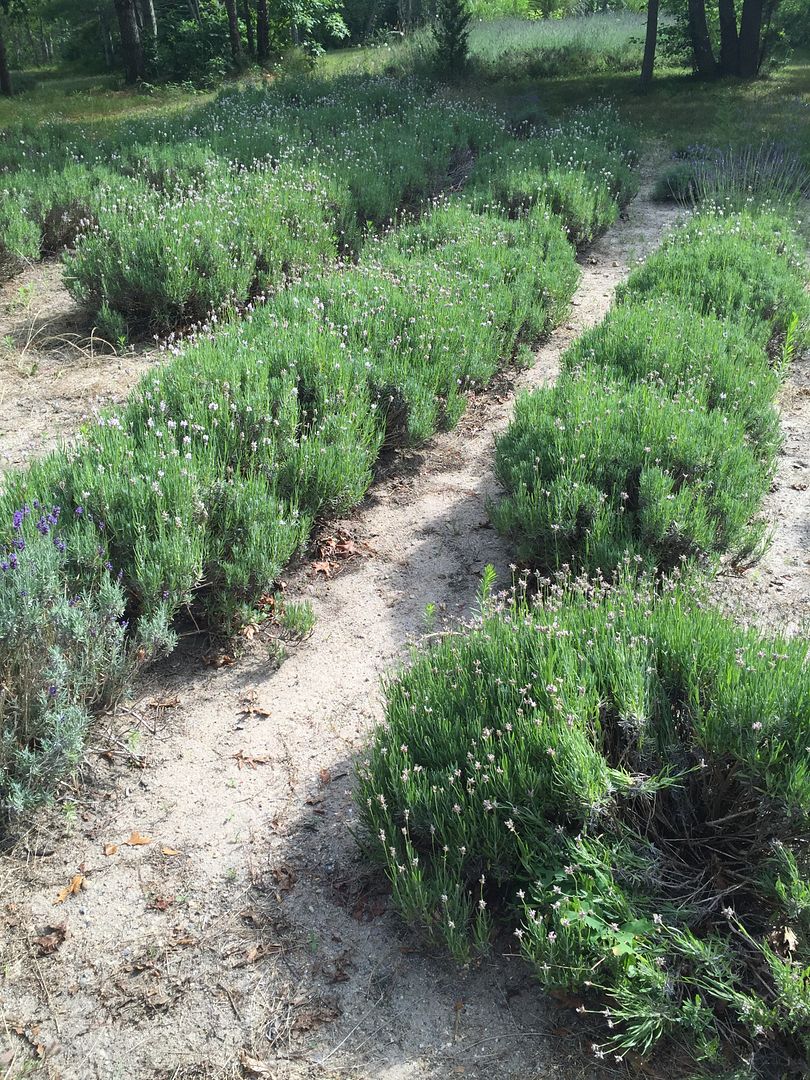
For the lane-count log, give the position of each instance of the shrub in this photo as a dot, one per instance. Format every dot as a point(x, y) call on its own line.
point(581, 172)
point(735, 177)
point(598, 467)
point(660, 439)
point(62, 654)
point(745, 267)
point(155, 262)
point(723, 366)
point(570, 772)
point(19, 238)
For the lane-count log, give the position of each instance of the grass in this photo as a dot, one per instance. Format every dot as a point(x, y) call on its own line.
point(89, 99)
point(565, 772)
point(659, 441)
point(508, 50)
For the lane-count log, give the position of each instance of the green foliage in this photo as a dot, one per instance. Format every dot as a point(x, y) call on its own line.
point(451, 31)
point(565, 771)
point(297, 618)
point(659, 440)
point(63, 654)
point(581, 171)
point(736, 177)
point(158, 260)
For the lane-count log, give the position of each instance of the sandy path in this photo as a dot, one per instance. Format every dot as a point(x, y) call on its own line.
point(776, 592)
point(248, 929)
point(53, 373)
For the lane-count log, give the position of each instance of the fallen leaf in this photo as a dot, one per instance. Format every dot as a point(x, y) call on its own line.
point(51, 938)
point(110, 849)
point(252, 1065)
point(791, 941)
point(170, 851)
point(324, 776)
point(322, 567)
point(251, 709)
point(75, 886)
point(162, 903)
point(284, 877)
point(243, 759)
point(219, 660)
point(166, 703)
point(136, 840)
point(257, 952)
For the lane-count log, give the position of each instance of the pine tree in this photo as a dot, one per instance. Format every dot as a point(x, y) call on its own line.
point(451, 32)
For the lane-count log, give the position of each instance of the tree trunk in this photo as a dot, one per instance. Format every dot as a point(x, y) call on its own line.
point(6, 89)
point(149, 17)
point(233, 33)
point(247, 17)
point(729, 42)
point(131, 45)
point(701, 42)
point(650, 40)
point(262, 32)
point(750, 32)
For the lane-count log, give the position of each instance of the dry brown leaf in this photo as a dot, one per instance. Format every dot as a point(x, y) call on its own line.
point(169, 851)
point(257, 952)
point(51, 938)
point(325, 777)
point(322, 567)
point(166, 703)
point(136, 840)
point(110, 849)
point(252, 1065)
point(250, 760)
point(76, 885)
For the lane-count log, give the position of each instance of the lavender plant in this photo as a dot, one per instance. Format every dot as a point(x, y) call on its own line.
point(566, 771)
point(660, 439)
point(63, 654)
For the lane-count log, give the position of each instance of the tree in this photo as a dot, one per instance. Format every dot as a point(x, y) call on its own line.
point(750, 52)
point(649, 44)
point(451, 31)
point(6, 89)
point(262, 32)
point(247, 18)
point(233, 32)
point(701, 42)
point(729, 41)
point(131, 44)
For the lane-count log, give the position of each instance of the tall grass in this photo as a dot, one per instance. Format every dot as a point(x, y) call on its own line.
point(735, 177)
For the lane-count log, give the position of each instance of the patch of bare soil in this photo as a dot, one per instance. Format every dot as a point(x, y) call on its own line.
point(54, 369)
point(200, 908)
point(776, 592)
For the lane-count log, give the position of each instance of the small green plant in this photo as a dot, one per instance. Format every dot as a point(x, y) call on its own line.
point(297, 618)
point(615, 775)
point(451, 31)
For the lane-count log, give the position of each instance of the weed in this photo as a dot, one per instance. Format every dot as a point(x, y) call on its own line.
point(297, 618)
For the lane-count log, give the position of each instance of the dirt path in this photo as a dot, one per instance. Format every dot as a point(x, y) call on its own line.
point(53, 374)
point(776, 592)
point(247, 938)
